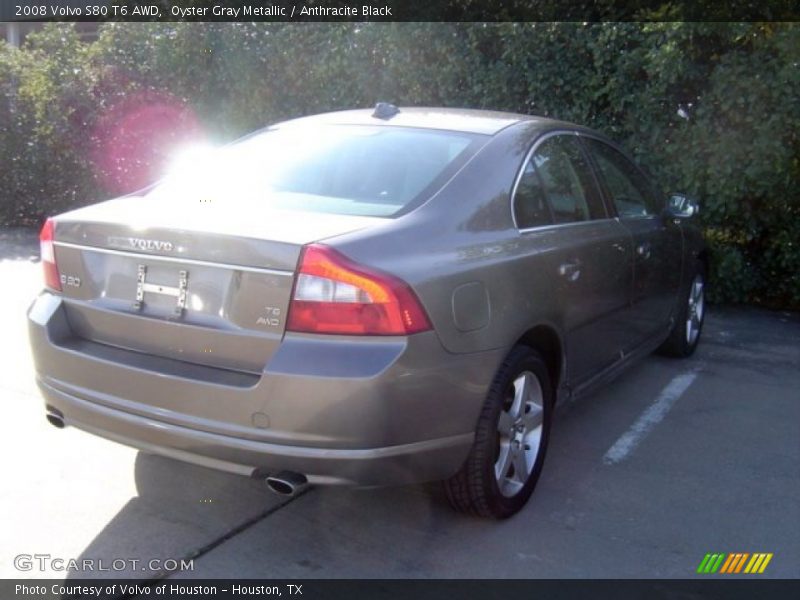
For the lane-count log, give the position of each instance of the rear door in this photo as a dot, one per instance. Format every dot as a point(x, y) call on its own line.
point(657, 243)
point(589, 257)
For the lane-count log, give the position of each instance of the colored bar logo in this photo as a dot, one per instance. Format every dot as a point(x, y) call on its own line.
point(734, 563)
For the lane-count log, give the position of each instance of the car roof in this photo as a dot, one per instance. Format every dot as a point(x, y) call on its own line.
point(467, 120)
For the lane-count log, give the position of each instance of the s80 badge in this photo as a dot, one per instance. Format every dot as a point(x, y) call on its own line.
point(71, 280)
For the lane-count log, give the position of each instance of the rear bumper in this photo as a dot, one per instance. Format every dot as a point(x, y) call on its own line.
point(420, 461)
point(378, 412)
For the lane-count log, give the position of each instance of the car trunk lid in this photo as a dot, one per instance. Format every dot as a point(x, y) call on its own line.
point(206, 284)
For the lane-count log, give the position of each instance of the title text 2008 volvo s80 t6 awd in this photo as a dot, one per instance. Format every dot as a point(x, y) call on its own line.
point(367, 298)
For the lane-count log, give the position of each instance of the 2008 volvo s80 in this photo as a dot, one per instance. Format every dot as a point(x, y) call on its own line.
point(367, 297)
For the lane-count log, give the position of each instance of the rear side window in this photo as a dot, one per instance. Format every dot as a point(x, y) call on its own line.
point(567, 181)
point(530, 203)
point(631, 193)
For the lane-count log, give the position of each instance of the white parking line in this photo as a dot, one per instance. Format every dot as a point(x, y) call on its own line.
point(650, 417)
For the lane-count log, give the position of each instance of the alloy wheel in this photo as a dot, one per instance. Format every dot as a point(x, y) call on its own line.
point(694, 316)
point(519, 433)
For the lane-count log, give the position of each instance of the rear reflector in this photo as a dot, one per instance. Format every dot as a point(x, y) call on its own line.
point(335, 295)
point(52, 278)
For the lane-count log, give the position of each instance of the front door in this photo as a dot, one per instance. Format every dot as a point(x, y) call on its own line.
point(657, 242)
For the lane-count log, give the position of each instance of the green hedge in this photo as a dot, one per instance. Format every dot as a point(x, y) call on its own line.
point(734, 144)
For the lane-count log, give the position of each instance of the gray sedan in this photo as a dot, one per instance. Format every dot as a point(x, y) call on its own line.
point(369, 298)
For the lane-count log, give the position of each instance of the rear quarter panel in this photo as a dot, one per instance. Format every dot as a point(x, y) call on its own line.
point(460, 251)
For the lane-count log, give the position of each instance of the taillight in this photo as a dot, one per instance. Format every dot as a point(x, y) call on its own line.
point(332, 294)
point(52, 279)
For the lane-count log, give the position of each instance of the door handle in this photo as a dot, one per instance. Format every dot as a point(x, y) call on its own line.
point(570, 270)
point(618, 247)
point(643, 250)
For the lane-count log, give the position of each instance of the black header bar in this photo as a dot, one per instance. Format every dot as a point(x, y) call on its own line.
point(711, 588)
point(398, 10)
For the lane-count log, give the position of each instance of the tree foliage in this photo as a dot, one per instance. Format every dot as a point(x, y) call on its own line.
point(711, 109)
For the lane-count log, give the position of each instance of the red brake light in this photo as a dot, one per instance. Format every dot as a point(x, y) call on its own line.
point(332, 294)
point(52, 278)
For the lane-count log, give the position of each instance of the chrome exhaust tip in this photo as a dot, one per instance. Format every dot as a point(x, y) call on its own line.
point(286, 483)
point(55, 421)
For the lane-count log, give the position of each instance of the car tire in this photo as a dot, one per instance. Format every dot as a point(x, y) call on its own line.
point(511, 437)
point(690, 315)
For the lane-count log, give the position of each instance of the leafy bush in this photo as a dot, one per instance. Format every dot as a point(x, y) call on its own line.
point(710, 108)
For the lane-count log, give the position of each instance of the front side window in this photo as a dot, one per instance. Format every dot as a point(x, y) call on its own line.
point(630, 191)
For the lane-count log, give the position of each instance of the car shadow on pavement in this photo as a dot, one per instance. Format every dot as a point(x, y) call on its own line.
point(182, 511)
point(179, 510)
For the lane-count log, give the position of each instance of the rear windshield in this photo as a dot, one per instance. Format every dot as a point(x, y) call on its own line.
point(354, 170)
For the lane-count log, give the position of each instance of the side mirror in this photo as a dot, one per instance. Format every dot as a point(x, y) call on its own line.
point(681, 206)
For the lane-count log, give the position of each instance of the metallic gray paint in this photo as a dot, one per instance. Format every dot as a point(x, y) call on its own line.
point(225, 385)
